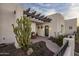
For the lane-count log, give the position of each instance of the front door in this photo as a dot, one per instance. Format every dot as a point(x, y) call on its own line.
point(46, 30)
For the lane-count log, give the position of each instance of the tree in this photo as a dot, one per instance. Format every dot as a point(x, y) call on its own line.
point(23, 32)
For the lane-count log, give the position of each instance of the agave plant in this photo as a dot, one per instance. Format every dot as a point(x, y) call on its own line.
point(23, 32)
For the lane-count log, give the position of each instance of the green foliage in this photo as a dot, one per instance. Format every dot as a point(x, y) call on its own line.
point(77, 29)
point(77, 34)
point(23, 32)
point(58, 40)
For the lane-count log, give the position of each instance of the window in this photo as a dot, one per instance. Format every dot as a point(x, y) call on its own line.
point(70, 27)
point(62, 28)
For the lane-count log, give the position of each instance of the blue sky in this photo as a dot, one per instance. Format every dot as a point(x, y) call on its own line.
point(47, 8)
point(69, 10)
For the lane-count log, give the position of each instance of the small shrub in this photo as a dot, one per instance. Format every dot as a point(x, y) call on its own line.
point(51, 38)
point(76, 36)
point(58, 40)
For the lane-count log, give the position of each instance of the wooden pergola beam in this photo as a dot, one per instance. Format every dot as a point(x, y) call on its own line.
point(36, 16)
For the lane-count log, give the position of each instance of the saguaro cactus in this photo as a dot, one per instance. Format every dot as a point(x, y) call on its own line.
point(23, 32)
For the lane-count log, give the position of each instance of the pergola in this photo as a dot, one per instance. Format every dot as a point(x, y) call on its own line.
point(36, 16)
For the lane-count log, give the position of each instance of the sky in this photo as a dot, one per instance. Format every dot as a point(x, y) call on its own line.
point(68, 10)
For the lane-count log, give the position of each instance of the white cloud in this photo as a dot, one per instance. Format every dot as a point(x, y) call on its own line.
point(37, 9)
point(46, 12)
point(50, 11)
point(45, 4)
point(73, 11)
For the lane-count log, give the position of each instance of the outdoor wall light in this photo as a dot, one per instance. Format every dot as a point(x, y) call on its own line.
point(41, 27)
point(38, 27)
point(14, 12)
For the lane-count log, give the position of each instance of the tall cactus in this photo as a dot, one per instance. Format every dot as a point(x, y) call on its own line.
point(23, 32)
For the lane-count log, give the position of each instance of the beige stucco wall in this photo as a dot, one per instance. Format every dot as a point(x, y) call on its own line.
point(70, 23)
point(55, 24)
point(35, 24)
point(7, 18)
point(40, 31)
point(33, 27)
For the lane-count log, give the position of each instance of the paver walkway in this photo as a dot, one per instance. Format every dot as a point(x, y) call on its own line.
point(50, 45)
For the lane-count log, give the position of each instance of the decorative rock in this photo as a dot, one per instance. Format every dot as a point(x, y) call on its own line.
point(29, 51)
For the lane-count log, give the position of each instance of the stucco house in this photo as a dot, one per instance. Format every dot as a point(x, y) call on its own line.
point(53, 28)
point(56, 26)
point(70, 26)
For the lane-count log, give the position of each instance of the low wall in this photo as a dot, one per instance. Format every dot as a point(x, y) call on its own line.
point(71, 47)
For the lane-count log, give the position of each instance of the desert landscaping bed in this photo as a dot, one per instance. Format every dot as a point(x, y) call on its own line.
point(39, 49)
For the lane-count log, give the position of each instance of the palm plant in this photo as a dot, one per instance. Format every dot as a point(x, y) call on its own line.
point(23, 32)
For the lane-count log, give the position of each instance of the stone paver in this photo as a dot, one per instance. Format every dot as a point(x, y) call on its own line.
point(50, 45)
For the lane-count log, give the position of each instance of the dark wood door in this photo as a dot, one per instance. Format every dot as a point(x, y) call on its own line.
point(46, 30)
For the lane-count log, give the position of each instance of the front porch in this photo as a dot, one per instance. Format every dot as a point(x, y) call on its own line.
point(40, 29)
